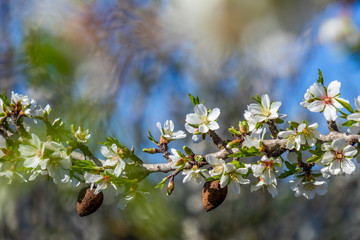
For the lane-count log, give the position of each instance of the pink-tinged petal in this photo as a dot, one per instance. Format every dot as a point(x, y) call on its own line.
point(318, 90)
point(224, 180)
point(214, 114)
point(338, 144)
point(347, 166)
point(316, 106)
point(265, 101)
point(354, 116)
point(357, 103)
point(203, 128)
point(350, 151)
point(192, 118)
point(213, 125)
point(327, 158)
point(330, 113)
point(333, 88)
point(200, 110)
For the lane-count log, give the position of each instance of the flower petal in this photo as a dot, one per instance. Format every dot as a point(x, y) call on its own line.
point(333, 88)
point(200, 110)
point(214, 114)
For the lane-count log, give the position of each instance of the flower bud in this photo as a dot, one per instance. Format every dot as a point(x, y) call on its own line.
point(150, 150)
point(213, 195)
point(171, 186)
point(188, 151)
point(234, 143)
point(244, 127)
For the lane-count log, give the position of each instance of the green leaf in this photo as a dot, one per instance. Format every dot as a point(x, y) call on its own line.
point(293, 125)
point(314, 158)
point(81, 166)
point(161, 184)
point(290, 166)
point(238, 164)
point(348, 123)
point(188, 151)
point(257, 99)
point(286, 174)
point(5, 98)
point(151, 138)
point(251, 152)
point(194, 100)
point(320, 79)
point(234, 132)
point(217, 177)
point(346, 105)
point(279, 121)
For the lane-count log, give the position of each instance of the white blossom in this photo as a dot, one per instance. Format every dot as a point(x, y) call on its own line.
point(201, 121)
point(307, 134)
point(230, 175)
point(308, 188)
point(195, 174)
point(255, 138)
point(338, 157)
point(264, 111)
point(168, 131)
point(290, 136)
point(33, 153)
point(355, 116)
point(266, 169)
point(113, 159)
point(82, 136)
point(321, 99)
point(176, 159)
point(101, 182)
point(260, 184)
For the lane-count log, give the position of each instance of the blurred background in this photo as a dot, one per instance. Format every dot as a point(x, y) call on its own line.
point(119, 66)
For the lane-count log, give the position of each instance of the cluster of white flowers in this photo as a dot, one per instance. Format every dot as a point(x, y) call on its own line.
point(52, 158)
point(46, 158)
point(114, 165)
